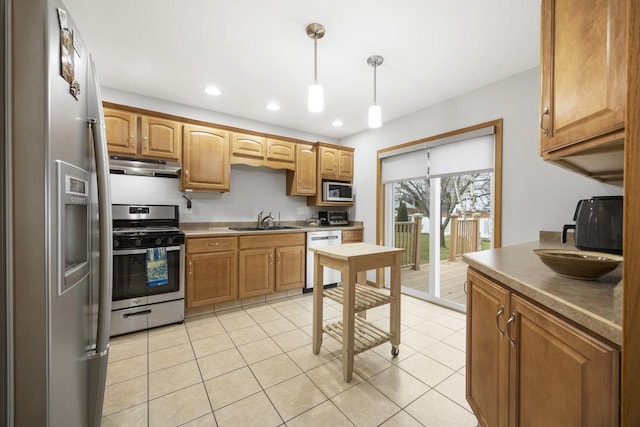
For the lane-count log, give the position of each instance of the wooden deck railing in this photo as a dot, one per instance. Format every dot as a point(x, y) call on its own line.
point(408, 237)
point(465, 237)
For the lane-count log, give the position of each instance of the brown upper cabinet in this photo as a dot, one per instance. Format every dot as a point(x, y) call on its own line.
point(336, 163)
point(205, 159)
point(302, 180)
point(138, 135)
point(255, 150)
point(583, 85)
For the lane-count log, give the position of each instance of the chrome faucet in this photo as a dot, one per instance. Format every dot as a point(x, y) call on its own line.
point(259, 223)
point(268, 220)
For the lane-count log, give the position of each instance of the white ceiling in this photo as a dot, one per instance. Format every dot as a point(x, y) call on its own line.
point(257, 51)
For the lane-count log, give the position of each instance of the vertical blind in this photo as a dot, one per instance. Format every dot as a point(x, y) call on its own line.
point(468, 152)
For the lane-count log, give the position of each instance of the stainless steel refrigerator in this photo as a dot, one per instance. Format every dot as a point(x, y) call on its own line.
point(57, 217)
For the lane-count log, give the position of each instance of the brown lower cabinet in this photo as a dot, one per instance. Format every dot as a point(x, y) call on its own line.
point(271, 263)
point(352, 236)
point(527, 366)
point(212, 263)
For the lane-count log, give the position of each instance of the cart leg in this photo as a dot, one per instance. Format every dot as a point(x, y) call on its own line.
point(361, 279)
point(394, 309)
point(348, 320)
point(317, 303)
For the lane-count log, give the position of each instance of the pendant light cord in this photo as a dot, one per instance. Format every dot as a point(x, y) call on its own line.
point(375, 101)
point(315, 60)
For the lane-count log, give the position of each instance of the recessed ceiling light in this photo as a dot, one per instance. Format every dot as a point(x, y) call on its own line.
point(212, 90)
point(272, 106)
point(337, 123)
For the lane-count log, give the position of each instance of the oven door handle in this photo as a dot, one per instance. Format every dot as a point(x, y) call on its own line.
point(137, 313)
point(141, 251)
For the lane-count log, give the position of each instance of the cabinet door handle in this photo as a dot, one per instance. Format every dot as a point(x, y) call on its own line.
point(512, 341)
point(545, 132)
point(186, 172)
point(278, 261)
point(498, 314)
point(270, 259)
point(213, 244)
point(464, 287)
point(190, 267)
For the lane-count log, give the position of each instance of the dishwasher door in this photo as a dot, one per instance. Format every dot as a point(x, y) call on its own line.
point(316, 239)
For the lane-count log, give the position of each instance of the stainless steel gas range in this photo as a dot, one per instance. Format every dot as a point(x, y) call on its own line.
point(148, 267)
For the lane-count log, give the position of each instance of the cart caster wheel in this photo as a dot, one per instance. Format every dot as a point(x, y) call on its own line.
point(395, 351)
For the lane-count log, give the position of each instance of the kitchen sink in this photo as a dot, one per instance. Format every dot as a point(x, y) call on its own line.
point(274, 228)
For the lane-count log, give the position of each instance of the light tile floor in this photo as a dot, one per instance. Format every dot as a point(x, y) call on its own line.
point(253, 366)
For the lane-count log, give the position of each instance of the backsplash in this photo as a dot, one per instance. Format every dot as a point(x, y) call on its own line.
point(252, 190)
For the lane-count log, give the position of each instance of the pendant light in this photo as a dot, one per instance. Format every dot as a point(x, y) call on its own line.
point(316, 95)
point(375, 112)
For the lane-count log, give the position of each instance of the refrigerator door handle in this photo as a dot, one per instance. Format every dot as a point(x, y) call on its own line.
point(98, 361)
point(104, 215)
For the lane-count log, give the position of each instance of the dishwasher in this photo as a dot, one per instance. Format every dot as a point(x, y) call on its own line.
point(317, 239)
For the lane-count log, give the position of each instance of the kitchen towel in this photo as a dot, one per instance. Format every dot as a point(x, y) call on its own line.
point(157, 268)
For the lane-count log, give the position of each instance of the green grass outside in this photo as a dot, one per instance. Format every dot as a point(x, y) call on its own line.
point(444, 252)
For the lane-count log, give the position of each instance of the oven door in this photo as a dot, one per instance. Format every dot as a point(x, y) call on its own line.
point(131, 287)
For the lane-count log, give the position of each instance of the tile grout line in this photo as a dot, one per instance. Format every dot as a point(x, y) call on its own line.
point(302, 329)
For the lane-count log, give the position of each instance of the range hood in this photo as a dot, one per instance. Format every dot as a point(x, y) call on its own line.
point(144, 167)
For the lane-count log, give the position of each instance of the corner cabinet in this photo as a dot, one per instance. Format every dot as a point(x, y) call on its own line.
point(205, 159)
point(528, 366)
point(302, 180)
point(583, 85)
point(139, 135)
point(212, 263)
point(271, 263)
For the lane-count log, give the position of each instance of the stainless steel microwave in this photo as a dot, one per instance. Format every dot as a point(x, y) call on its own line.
point(337, 192)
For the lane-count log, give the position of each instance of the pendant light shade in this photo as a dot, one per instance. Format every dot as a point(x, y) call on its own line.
point(316, 93)
point(316, 98)
point(375, 116)
point(375, 112)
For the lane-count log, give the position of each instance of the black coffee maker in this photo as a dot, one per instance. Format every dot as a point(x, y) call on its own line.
point(598, 225)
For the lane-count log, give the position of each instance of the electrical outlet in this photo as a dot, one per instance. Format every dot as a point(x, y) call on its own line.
point(301, 211)
point(189, 210)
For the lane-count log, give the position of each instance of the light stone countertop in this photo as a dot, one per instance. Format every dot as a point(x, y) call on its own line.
point(589, 304)
point(214, 229)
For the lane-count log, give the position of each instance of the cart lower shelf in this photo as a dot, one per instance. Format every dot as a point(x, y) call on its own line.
point(366, 297)
point(365, 335)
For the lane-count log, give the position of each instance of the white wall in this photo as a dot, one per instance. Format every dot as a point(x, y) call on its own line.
point(536, 194)
point(252, 189)
point(181, 110)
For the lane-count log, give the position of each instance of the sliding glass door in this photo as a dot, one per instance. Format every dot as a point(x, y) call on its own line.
point(436, 221)
point(439, 214)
